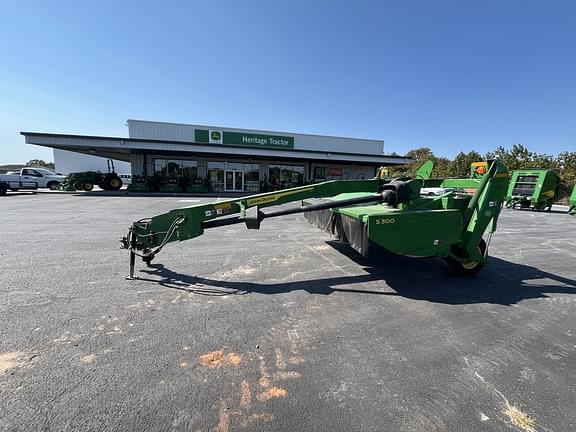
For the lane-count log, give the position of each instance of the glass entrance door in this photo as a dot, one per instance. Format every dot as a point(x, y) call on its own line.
point(233, 181)
point(239, 180)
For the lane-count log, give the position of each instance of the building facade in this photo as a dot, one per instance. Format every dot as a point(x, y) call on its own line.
point(66, 162)
point(229, 159)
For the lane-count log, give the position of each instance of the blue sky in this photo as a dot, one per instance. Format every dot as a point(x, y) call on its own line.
point(449, 75)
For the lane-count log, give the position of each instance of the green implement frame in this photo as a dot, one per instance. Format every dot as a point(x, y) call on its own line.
point(536, 189)
point(572, 202)
point(389, 213)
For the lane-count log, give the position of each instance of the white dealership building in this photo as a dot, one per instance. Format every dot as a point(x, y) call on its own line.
point(231, 159)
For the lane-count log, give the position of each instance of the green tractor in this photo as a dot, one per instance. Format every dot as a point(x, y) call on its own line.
point(88, 179)
point(390, 213)
point(534, 188)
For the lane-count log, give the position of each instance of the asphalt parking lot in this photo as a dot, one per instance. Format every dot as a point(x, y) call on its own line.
point(279, 329)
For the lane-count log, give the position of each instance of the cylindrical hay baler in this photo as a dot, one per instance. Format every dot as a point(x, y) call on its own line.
point(535, 188)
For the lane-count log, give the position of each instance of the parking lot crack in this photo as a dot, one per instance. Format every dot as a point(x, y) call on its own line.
point(515, 416)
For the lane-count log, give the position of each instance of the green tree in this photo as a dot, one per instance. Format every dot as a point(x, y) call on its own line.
point(441, 167)
point(40, 163)
point(518, 157)
point(566, 168)
point(460, 166)
point(418, 156)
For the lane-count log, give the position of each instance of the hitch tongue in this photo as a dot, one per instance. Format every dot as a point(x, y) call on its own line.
point(129, 242)
point(132, 262)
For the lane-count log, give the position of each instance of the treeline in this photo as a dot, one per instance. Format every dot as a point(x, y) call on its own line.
point(518, 157)
point(40, 163)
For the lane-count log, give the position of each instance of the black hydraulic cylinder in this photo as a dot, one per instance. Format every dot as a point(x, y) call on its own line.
point(253, 220)
point(216, 223)
point(324, 206)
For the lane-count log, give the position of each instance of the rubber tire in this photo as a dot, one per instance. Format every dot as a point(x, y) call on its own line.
point(458, 268)
point(115, 183)
point(53, 185)
point(87, 186)
point(3, 189)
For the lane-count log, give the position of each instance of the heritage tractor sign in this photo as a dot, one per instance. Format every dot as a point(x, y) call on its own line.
point(243, 139)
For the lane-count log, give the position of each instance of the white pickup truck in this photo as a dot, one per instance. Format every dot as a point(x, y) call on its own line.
point(30, 179)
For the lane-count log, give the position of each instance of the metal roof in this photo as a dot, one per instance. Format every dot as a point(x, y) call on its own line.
point(256, 131)
point(121, 148)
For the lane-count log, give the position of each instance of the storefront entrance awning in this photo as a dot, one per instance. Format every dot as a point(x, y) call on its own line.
point(122, 148)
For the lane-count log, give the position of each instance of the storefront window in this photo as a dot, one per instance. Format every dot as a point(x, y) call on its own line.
point(285, 176)
point(189, 168)
point(323, 173)
point(176, 168)
point(234, 166)
point(216, 176)
point(252, 177)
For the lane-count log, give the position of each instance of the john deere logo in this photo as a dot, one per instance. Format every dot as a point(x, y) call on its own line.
point(215, 137)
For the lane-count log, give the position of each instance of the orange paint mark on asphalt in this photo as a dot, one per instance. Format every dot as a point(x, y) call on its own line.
point(294, 360)
point(280, 363)
point(212, 359)
point(224, 420)
point(264, 377)
point(234, 359)
point(245, 395)
point(216, 359)
point(252, 418)
point(274, 392)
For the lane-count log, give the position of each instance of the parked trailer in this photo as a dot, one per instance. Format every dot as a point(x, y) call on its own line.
point(536, 189)
point(389, 213)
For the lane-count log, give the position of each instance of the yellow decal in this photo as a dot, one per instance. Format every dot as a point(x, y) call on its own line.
point(272, 198)
point(501, 175)
point(223, 206)
point(256, 201)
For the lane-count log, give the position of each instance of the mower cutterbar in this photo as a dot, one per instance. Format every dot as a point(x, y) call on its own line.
point(389, 213)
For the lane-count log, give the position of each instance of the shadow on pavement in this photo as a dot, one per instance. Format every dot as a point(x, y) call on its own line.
point(191, 284)
point(183, 195)
point(13, 194)
point(501, 282)
point(558, 211)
